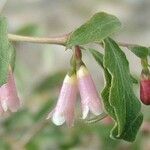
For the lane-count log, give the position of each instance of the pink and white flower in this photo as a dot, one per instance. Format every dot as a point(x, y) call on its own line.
point(89, 96)
point(64, 110)
point(9, 99)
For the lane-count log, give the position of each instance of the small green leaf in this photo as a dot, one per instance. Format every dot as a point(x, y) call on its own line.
point(121, 96)
point(140, 51)
point(5, 54)
point(100, 26)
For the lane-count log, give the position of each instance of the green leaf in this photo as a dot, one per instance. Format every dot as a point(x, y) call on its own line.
point(5, 54)
point(122, 99)
point(99, 58)
point(140, 51)
point(100, 26)
point(106, 91)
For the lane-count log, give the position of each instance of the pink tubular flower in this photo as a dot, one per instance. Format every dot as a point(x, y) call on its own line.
point(145, 89)
point(89, 97)
point(64, 110)
point(8, 95)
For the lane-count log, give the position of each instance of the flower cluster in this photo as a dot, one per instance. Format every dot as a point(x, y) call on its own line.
point(8, 95)
point(64, 110)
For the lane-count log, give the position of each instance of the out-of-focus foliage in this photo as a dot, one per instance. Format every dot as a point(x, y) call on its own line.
point(29, 30)
point(50, 82)
point(140, 51)
point(15, 129)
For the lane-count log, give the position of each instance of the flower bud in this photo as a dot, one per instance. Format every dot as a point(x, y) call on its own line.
point(64, 110)
point(145, 87)
point(89, 97)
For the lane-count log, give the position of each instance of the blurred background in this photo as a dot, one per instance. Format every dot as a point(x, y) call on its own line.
point(40, 70)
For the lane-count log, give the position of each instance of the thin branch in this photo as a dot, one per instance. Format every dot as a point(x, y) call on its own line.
point(61, 40)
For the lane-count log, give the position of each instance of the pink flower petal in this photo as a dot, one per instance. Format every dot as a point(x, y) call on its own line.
point(13, 102)
point(89, 97)
point(64, 110)
point(95, 106)
point(8, 95)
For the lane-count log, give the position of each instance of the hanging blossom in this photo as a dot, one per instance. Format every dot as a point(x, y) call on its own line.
point(9, 99)
point(145, 87)
point(89, 97)
point(64, 110)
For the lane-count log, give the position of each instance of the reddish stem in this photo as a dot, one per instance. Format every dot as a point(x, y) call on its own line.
point(78, 53)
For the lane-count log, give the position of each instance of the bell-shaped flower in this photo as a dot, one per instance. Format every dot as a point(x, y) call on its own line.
point(64, 110)
point(9, 99)
point(145, 88)
point(89, 96)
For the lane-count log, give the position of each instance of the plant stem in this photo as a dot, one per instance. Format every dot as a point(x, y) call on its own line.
point(78, 53)
point(61, 40)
